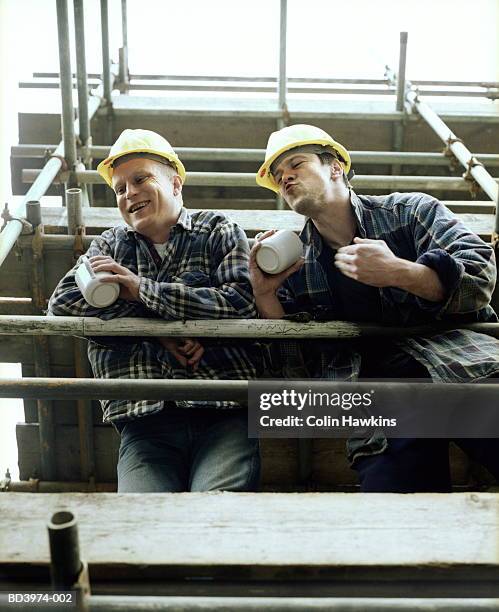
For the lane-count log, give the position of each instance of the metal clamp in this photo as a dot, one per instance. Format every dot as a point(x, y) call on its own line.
point(5, 482)
point(467, 176)
point(7, 217)
point(78, 246)
point(447, 151)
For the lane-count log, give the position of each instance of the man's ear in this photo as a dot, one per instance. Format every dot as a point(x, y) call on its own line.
point(177, 185)
point(336, 169)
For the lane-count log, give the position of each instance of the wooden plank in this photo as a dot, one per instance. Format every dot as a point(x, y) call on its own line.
point(255, 535)
point(106, 441)
point(252, 221)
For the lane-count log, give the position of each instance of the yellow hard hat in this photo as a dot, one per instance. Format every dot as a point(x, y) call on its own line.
point(139, 141)
point(291, 137)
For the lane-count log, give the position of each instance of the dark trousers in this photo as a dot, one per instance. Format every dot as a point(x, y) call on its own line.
point(410, 465)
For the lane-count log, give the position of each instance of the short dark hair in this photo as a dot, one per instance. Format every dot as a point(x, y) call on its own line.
point(144, 155)
point(327, 159)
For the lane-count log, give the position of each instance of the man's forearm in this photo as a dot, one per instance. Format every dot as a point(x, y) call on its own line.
point(420, 280)
point(269, 306)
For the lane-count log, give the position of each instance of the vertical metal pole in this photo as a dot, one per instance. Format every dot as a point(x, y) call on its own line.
point(282, 82)
point(68, 133)
point(124, 74)
point(398, 127)
point(85, 416)
point(74, 207)
point(106, 62)
point(65, 563)
point(401, 72)
point(81, 74)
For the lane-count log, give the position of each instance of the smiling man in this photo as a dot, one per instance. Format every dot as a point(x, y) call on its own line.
point(402, 259)
point(173, 265)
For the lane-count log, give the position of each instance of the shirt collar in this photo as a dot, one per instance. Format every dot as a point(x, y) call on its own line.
point(184, 220)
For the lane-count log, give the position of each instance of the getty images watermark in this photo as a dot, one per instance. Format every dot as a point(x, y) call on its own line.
point(416, 408)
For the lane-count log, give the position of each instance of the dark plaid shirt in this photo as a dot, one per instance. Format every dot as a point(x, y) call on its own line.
point(419, 228)
point(203, 275)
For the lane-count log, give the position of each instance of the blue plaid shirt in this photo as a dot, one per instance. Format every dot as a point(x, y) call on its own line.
point(419, 228)
point(203, 275)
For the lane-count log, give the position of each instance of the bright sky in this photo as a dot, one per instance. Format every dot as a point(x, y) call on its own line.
point(448, 39)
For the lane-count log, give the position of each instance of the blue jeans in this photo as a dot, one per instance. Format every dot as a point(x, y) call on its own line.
point(188, 449)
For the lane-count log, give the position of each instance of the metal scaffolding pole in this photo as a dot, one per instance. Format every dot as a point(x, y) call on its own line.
point(124, 73)
point(247, 179)
point(416, 158)
point(43, 181)
point(74, 206)
point(81, 71)
point(207, 390)
point(398, 127)
point(68, 131)
point(473, 168)
point(106, 61)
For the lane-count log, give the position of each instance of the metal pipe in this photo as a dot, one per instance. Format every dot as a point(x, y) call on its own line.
point(415, 158)
point(123, 78)
point(92, 388)
point(34, 485)
point(206, 390)
point(136, 603)
point(44, 180)
point(81, 71)
point(462, 153)
point(12, 325)
point(165, 77)
point(106, 61)
point(282, 83)
point(246, 179)
point(68, 131)
point(401, 72)
point(65, 564)
point(74, 206)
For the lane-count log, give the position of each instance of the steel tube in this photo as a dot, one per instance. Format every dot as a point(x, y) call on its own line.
point(81, 71)
point(165, 77)
point(91, 388)
point(135, 603)
point(74, 200)
point(282, 83)
point(401, 72)
point(204, 390)
point(124, 50)
point(65, 564)
point(85, 415)
point(43, 181)
point(462, 153)
point(243, 179)
point(33, 485)
point(68, 132)
point(106, 61)
point(415, 158)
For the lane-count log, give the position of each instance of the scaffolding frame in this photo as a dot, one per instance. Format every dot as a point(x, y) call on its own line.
point(68, 160)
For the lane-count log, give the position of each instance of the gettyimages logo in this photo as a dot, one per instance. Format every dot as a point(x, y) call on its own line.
point(291, 398)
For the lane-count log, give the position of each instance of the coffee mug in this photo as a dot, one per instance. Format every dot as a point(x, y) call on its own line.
point(95, 292)
point(279, 251)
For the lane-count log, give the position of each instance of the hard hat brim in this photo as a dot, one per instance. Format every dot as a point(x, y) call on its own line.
point(265, 179)
point(105, 168)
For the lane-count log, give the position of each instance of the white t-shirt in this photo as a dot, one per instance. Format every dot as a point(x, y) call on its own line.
point(161, 248)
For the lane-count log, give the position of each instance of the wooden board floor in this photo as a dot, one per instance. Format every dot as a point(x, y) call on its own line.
point(450, 542)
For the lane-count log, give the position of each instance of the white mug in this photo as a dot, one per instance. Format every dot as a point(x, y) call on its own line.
point(279, 251)
point(95, 292)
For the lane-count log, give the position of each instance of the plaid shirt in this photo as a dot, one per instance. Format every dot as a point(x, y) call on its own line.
point(416, 227)
point(203, 275)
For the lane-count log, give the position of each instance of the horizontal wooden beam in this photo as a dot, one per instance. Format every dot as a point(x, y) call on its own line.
point(370, 541)
point(279, 329)
point(252, 221)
